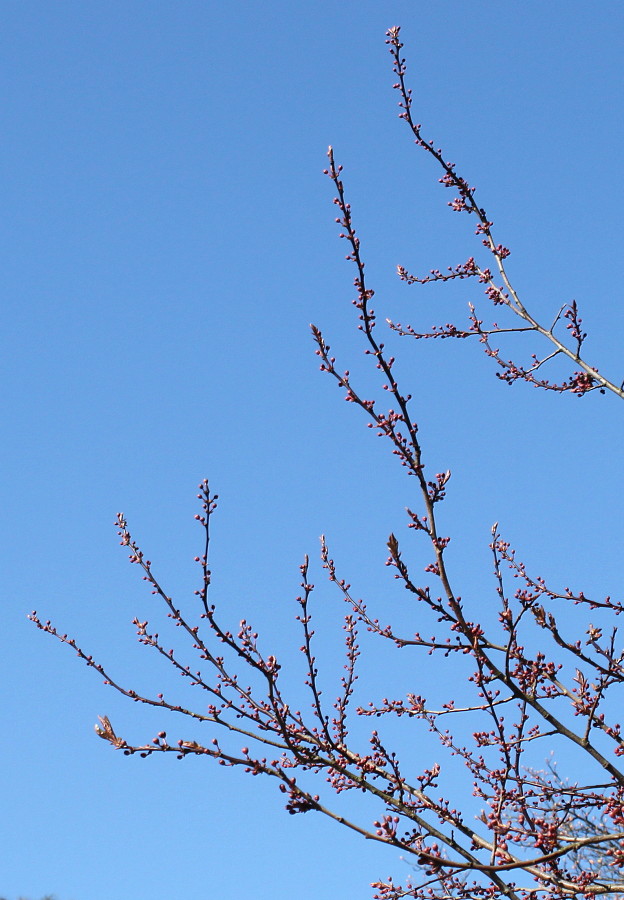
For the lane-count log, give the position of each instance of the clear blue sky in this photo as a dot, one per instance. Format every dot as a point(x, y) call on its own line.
point(167, 236)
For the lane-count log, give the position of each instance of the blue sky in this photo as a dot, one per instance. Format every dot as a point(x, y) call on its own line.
point(167, 237)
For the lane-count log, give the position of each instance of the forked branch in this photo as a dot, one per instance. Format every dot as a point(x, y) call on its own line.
point(516, 831)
